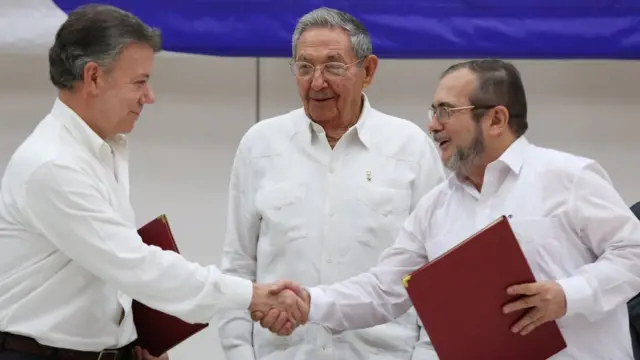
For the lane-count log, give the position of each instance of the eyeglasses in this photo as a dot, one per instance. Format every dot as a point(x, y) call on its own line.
point(302, 69)
point(443, 113)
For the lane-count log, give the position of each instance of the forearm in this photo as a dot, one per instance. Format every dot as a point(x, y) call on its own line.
point(375, 297)
point(184, 289)
point(66, 206)
point(608, 228)
point(357, 303)
point(604, 285)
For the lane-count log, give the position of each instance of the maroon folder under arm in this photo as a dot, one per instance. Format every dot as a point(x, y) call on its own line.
point(459, 298)
point(159, 332)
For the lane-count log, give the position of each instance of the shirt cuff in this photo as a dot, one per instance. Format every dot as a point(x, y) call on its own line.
point(319, 305)
point(240, 292)
point(578, 294)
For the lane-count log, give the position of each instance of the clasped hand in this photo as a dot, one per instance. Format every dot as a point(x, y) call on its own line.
point(280, 307)
point(545, 301)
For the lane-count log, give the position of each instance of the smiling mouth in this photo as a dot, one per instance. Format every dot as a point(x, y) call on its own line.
point(443, 143)
point(322, 100)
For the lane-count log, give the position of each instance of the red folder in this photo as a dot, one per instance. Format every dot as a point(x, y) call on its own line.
point(459, 298)
point(159, 332)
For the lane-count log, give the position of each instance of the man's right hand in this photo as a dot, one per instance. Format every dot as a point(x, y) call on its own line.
point(285, 304)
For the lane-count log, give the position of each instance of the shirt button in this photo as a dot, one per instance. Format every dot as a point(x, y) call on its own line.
point(329, 261)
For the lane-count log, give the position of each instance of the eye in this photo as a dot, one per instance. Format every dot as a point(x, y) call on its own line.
point(335, 68)
point(304, 68)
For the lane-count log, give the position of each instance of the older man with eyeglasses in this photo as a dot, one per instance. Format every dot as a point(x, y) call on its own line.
point(318, 193)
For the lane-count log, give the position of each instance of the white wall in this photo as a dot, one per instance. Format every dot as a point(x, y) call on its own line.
point(183, 145)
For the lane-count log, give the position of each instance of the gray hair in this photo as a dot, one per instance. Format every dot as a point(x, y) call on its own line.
point(95, 33)
point(330, 18)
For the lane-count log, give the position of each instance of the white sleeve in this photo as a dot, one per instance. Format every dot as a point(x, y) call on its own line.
point(610, 230)
point(66, 206)
point(235, 329)
point(375, 297)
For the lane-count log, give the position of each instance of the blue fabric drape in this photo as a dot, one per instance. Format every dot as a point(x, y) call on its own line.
point(418, 29)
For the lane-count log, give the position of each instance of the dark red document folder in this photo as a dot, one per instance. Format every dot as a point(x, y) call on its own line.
point(459, 298)
point(159, 332)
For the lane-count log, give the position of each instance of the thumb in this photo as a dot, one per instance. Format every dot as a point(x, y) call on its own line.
point(281, 285)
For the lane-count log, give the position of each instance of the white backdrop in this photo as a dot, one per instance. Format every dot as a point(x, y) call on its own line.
point(183, 145)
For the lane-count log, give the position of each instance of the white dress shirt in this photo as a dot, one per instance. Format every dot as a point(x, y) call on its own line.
point(70, 256)
point(300, 210)
point(571, 224)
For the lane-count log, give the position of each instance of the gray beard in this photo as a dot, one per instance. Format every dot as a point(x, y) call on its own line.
point(464, 158)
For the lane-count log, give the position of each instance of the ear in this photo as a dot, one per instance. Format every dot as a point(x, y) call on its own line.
point(498, 120)
point(92, 78)
point(370, 65)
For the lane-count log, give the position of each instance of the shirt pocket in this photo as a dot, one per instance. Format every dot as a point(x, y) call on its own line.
point(382, 211)
point(541, 241)
point(282, 210)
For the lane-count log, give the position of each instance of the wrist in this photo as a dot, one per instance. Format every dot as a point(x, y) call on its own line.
point(254, 296)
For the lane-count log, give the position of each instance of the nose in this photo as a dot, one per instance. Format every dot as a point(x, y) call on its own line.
point(434, 125)
point(317, 80)
point(150, 96)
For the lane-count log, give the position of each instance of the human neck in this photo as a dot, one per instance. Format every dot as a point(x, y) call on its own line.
point(336, 128)
point(82, 109)
point(475, 172)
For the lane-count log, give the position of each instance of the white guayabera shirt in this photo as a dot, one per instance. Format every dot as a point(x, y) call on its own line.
point(300, 210)
point(571, 224)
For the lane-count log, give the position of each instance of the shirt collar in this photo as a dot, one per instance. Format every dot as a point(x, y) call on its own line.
point(362, 128)
point(513, 158)
point(81, 131)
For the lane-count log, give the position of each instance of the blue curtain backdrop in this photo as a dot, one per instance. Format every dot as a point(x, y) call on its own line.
point(418, 29)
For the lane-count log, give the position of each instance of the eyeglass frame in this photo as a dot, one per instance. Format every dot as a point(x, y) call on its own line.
point(321, 67)
point(450, 111)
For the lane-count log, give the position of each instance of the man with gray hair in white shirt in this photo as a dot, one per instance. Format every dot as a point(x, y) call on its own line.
point(316, 194)
point(580, 238)
point(71, 260)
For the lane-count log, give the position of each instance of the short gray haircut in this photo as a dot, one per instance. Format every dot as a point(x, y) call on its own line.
point(95, 33)
point(330, 18)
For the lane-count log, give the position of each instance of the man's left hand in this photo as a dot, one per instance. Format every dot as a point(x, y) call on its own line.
point(547, 302)
point(142, 354)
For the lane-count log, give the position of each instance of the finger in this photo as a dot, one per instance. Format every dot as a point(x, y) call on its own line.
point(279, 286)
point(257, 315)
point(270, 318)
point(524, 289)
point(294, 309)
point(287, 329)
point(304, 311)
point(529, 328)
point(283, 318)
point(528, 319)
point(297, 289)
point(524, 303)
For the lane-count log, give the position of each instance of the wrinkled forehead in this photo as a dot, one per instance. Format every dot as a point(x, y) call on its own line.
point(324, 45)
point(454, 89)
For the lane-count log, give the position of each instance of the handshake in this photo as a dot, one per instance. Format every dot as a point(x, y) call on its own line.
point(280, 307)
